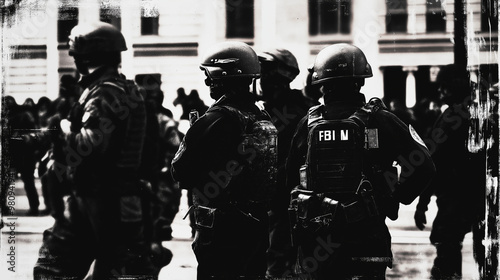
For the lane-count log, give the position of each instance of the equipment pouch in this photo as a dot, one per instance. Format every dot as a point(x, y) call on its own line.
point(204, 216)
point(354, 211)
point(304, 206)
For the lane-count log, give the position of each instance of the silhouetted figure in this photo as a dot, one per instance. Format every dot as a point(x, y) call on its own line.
point(286, 106)
point(460, 181)
point(23, 145)
point(182, 100)
point(195, 103)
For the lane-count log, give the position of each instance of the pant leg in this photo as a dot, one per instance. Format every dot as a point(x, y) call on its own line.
point(120, 245)
point(235, 247)
point(448, 261)
point(28, 178)
point(280, 255)
point(67, 247)
point(56, 190)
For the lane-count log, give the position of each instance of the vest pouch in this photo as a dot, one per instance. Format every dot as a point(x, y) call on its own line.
point(204, 216)
point(354, 211)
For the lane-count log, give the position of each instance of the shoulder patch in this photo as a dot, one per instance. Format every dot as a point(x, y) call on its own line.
point(314, 114)
point(415, 136)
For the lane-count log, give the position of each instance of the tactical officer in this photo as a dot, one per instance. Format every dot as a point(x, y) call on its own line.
point(340, 162)
point(459, 185)
point(227, 159)
point(104, 136)
point(286, 107)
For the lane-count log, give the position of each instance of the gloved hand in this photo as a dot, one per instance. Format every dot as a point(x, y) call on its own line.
point(65, 126)
point(75, 117)
point(420, 219)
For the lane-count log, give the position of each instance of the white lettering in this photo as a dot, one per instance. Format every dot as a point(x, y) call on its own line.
point(344, 135)
point(328, 135)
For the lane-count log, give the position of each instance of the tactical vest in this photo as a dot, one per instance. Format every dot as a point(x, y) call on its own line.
point(258, 149)
point(128, 106)
point(335, 162)
point(337, 170)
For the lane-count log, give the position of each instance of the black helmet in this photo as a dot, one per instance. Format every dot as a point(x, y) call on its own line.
point(340, 61)
point(230, 60)
point(95, 37)
point(285, 61)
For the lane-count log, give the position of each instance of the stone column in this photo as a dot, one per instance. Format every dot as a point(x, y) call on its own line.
point(411, 90)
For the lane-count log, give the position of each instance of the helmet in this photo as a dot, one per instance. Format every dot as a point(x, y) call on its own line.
point(96, 37)
point(340, 61)
point(287, 65)
point(453, 74)
point(230, 60)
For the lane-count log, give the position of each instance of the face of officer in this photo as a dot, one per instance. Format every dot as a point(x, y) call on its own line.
point(216, 88)
point(81, 64)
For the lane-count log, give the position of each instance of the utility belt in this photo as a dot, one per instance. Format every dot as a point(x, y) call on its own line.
point(315, 210)
point(205, 216)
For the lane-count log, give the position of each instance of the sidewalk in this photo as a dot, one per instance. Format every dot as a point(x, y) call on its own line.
point(413, 254)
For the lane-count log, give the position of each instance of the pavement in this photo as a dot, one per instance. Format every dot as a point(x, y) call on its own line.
point(413, 254)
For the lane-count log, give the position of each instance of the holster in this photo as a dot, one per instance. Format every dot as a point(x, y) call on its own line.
point(361, 208)
point(309, 210)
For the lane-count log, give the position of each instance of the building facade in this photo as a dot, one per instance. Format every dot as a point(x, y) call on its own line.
point(405, 40)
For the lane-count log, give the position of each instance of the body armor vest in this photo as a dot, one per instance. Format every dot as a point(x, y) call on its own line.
point(258, 149)
point(335, 162)
point(129, 106)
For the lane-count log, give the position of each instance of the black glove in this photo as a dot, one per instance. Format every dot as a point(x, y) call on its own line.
point(420, 219)
point(75, 117)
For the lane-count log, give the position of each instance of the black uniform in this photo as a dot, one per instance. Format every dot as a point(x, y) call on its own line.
point(459, 189)
point(232, 225)
point(286, 112)
point(340, 249)
point(104, 221)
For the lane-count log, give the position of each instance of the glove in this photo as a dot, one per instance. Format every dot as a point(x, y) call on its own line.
point(420, 219)
point(75, 117)
point(65, 126)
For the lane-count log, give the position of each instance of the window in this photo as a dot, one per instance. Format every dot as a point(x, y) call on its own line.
point(111, 15)
point(329, 17)
point(239, 19)
point(489, 16)
point(68, 18)
point(396, 19)
point(436, 16)
point(150, 19)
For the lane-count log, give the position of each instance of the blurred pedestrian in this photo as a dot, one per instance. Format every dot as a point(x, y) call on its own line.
point(23, 147)
point(460, 182)
point(345, 183)
point(286, 106)
point(104, 136)
point(167, 190)
point(182, 100)
point(228, 159)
